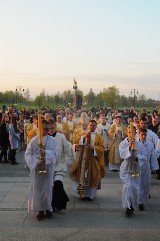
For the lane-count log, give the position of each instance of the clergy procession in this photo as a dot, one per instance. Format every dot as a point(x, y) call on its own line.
point(121, 141)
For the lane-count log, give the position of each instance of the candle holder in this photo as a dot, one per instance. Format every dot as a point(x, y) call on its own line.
point(134, 162)
point(42, 169)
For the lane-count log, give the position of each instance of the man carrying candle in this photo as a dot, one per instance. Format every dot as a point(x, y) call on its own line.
point(40, 194)
point(131, 151)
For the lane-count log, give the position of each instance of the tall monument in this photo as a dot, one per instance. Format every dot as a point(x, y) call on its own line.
point(75, 93)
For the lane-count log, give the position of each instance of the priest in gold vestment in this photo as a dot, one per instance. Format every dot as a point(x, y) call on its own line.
point(92, 153)
point(62, 127)
point(116, 133)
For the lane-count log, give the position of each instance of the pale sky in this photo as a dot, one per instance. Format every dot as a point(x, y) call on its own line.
point(45, 44)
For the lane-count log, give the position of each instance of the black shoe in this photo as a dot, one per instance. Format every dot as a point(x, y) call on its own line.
point(14, 163)
point(129, 212)
point(48, 214)
point(86, 199)
point(132, 209)
point(57, 210)
point(40, 216)
point(6, 161)
point(141, 207)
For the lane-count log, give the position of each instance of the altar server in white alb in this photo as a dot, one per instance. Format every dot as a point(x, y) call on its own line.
point(132, 154)
point(65, 155)
point(146, 167)
point(40, 194)
point(151, 136)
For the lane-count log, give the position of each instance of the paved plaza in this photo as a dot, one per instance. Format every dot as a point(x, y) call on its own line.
point(101, 219)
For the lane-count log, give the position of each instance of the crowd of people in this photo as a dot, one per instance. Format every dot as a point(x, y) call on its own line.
point(92, 139)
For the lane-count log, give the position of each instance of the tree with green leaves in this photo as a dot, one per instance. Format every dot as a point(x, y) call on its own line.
point(112, 96)
point(90, 97)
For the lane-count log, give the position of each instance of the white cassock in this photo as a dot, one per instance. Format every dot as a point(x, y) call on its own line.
point(145, 170)
point(70, 124)
point(40, 193)
point(77, 120)
point(131, 185)
point(151, 136)
point(103, 131)
point(64, 155)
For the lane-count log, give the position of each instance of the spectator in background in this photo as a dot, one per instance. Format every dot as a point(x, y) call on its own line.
point(4, 140)
point(13, 138)
point(20, 128)
point(4, 108)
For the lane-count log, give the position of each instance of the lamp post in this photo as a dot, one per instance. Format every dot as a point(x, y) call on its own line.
point(75, 87)
point(134, 92)
point(19, 92)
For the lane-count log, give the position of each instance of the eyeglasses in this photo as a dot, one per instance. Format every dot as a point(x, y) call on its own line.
point(46, 129)
point(52, 128)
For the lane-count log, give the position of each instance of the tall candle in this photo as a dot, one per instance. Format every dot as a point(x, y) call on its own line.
point(40, 128)
point(132, 135)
